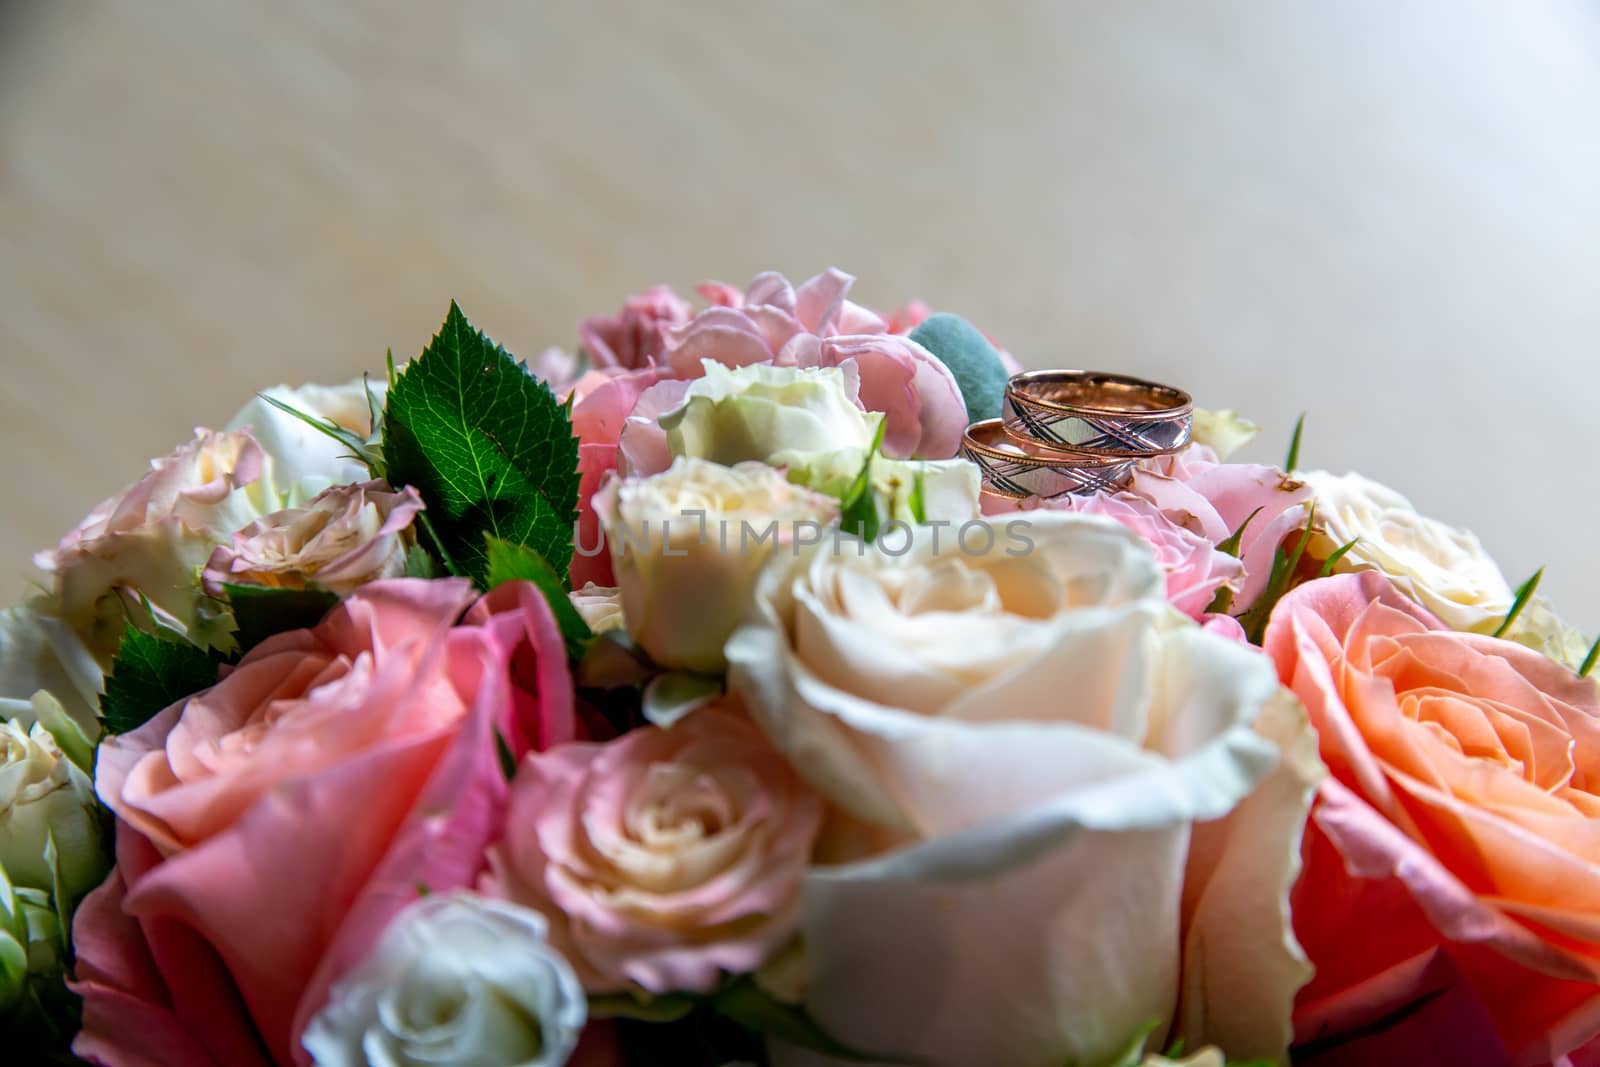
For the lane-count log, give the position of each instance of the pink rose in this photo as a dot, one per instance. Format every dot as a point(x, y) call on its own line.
point(1460, 820)
point(634, 337)
point(269, 827)
point(663, 858)
point(1214, 499)
point(151, 540)
point(343, 538)
point(1194, 567)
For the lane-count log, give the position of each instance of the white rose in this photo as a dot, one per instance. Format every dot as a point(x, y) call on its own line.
point(146, 545)
point(44, 795)
point(600, 606)
point(41, 653)
point(1039, 735)
point(950, 487)
point(750, 413)
point(1541, 629)
point(32, 942)
point(688, 544)
point(1224, 432)
point(303, 456)
point(343, 538)
point(456, 980)
point(1444, 569)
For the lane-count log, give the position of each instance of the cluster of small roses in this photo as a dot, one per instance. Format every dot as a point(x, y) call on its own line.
point(1234, 759)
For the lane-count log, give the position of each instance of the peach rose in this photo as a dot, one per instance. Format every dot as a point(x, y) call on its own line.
point(270, 827)
point(663, 858)
point(343, 538)
point(1459, 827)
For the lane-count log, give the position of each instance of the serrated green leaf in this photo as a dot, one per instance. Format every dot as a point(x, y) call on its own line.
point(262, 611)
point(753, 1008)
point(487, 445)
point(1292, 462)
point(1524, 593)
point(514, 563)
point(419, 564)
point(149, 675)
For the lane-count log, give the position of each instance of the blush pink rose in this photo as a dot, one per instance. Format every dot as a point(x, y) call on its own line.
point(1214, 499)
point(1194, 567)
point(635, 336)
point(271, 826)
point(663, 858)
point(1461, 818)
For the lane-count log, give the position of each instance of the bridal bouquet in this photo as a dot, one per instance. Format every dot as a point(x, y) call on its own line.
point(738, 688)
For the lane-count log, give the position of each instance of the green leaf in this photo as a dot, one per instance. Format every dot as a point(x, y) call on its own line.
point(508, 762)
point(642, 1006)
point(1231, 545)
point(1338, 554)
point(361, 449)
point(1292, 462)
point(519, 563)
point(858, 508)
point(1284, 566)
point(1524, 593)
point(487, 445)
point(150, 674)
point(918, 503)
point(753, 1008)
point(419, 564)
point(1590, 660)
point(972, 360)
point(262, 611)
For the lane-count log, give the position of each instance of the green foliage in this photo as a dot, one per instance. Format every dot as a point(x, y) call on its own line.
point(918, 504)
point(1284, 566)
point(513, 563)
point(149, 674)
point(746, 1003)
point(1338, 554)
point(858, 508)
point(1292, 461)
point(487, 445)
point(362, 449)
point(262, 611)
point(1524, 593)
point(1590, 659)
point(972, 360)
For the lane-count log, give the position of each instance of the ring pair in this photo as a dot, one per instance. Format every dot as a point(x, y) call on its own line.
point(1073, 431)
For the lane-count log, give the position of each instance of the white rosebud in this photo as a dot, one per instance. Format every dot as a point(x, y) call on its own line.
point(302, 455)
point(1224, 432)
point(750, 413)
point(458, 980)
point(688, 545)
point(45, 796)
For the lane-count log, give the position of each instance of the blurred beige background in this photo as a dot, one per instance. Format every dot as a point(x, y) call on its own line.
point(1386, 214)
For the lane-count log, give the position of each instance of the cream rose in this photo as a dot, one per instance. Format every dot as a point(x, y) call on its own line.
point(600, 606)
point(303, 456)
point(146, 545)
point(1444, 569)
point(41, 653)
point(44, 796)
point(1037, 735)
point(750, 413)
point(31, 942)
point(950, 487)
point(1224, 432)
point(688, 544)
point(343, 538)
point(457, 980)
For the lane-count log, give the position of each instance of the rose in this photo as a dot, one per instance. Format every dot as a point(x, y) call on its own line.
point(343, 538)
point(31, 946)
point(1029, 737)
point(1446, 570)
point(46, 802)
point(949, 488)
point(41, 653)
point(730, 416)
point(600, 606)
point(146, 545)
point(637, 335)
point(663, 858)
point(454, 979)
point(361, 756)
point(1541, 629)
point(1224, 432)
point(1216, 500)
point(303, 458)
point(1195, 568)
point(1459, 819)
point(688, 544)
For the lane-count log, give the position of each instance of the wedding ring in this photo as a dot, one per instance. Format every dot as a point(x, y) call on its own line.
point(1018, 467)
point(1110, 416)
